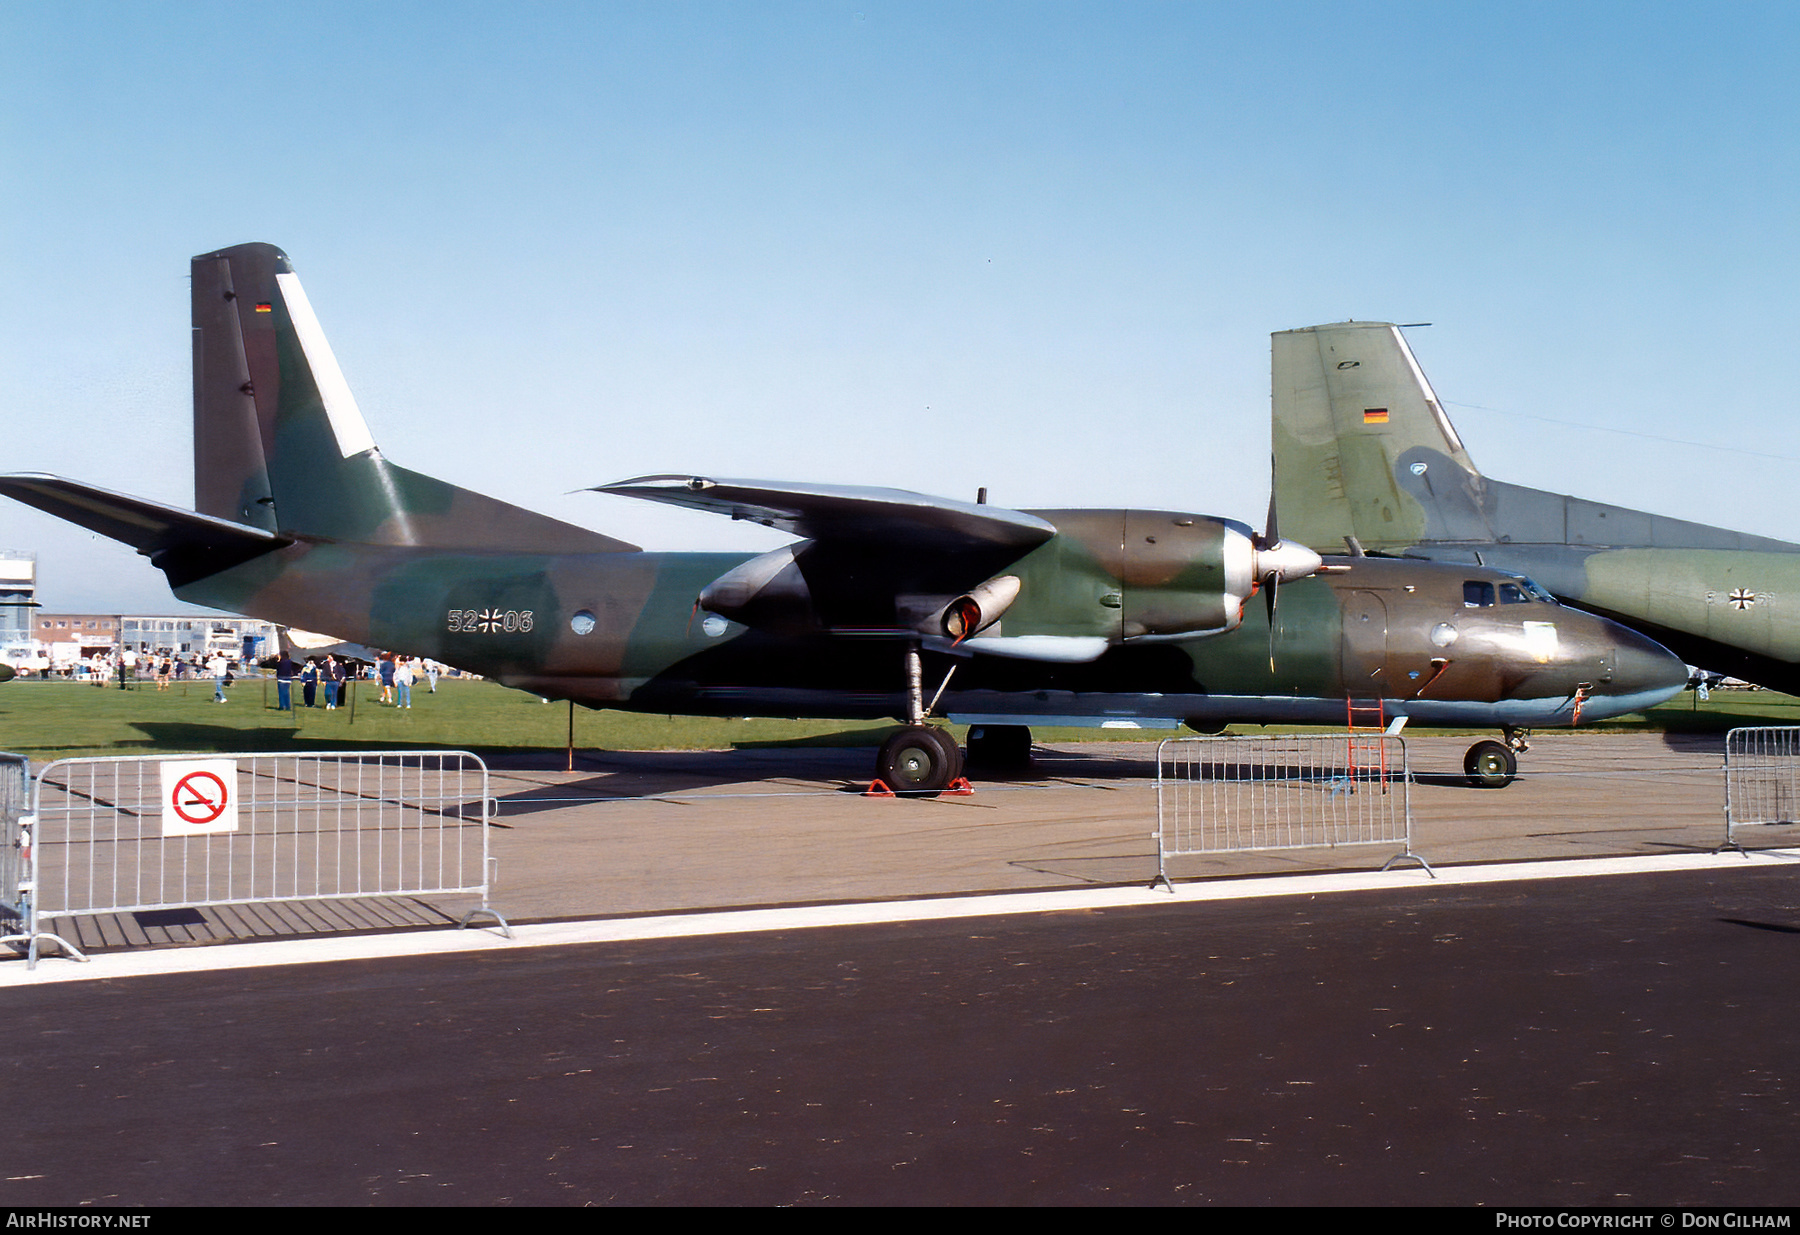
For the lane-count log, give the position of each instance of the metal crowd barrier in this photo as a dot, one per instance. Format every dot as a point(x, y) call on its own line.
point(15, 844)
point(129, 834)
point(1762, 779)
point(1231, 794)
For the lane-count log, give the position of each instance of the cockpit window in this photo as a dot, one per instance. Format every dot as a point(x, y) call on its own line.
point(1479, 593)
point(1537, 590)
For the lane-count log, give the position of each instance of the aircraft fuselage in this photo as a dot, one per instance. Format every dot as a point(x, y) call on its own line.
point(622, 630)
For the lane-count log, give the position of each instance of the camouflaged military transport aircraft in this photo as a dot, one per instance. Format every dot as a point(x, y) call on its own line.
point(893, 604)
point(1363, 448)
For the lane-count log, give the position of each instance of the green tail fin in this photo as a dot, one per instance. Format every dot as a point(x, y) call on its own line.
point(1362, 445)
point(1363, 448)
point(280, 444)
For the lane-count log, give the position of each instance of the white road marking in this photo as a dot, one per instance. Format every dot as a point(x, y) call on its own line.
point(214, 958)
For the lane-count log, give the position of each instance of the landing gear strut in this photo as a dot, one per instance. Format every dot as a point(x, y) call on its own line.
point(920, 760)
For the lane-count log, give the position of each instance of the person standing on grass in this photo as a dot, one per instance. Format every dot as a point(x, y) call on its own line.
point(332, 674)
point(403, 681)
point(284, 682)
point(218, 667)
point(385, 667)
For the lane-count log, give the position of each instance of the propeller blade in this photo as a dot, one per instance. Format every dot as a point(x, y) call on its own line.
point(1270, 584)
point(1271, 533)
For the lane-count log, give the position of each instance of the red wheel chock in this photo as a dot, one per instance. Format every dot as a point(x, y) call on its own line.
point(958, 788)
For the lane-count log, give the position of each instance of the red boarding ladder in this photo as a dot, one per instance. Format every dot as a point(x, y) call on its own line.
point(1367, 718)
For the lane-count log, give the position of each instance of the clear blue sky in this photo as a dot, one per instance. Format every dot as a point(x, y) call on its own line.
point(1038, 247)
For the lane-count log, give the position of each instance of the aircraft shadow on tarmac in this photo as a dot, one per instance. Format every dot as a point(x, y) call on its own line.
point(794, 762)
point(1678, 724)
point(192, 736)
point(801, 763)
point(624, 775)
point(761, 770)
point(770, 769)
point(1704, 743)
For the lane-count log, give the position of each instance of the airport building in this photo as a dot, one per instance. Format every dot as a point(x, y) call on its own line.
point(238, 638)
point(64, 638)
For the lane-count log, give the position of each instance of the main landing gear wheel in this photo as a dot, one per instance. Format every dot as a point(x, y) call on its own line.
point(1001, 747)
point(919, 760)
point(1490, 765)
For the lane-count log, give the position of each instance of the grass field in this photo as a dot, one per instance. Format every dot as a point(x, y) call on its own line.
point(52, 720)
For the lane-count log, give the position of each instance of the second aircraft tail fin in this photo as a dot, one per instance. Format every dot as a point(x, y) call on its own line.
point(1363, 448)
point(1362, 445)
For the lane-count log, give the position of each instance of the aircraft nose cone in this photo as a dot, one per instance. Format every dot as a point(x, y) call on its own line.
point(1644, 670)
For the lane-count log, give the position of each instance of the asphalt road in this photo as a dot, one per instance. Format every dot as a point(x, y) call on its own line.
point(1618, 1040)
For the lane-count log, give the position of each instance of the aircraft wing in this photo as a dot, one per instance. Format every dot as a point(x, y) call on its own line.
point(847, 514)
point(168, 535)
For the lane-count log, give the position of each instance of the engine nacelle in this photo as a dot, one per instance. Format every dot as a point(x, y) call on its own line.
point(1186, 575)
point(1177, 576)
point(978, 610)
point(767, 593)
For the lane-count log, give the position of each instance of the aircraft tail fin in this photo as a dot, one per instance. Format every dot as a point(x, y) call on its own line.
point(1363, 448)
point(280, 444)
point(1362, 445)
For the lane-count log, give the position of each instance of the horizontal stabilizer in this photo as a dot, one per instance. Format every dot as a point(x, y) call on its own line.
point(184, 544)
point(848, 514)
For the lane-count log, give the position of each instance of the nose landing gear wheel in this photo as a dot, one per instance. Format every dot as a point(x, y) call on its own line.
point(919, 760)
point(1490, 765)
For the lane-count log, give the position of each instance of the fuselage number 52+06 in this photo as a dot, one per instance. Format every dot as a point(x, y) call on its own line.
point(490, 621)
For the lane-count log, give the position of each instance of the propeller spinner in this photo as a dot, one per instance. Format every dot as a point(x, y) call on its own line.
point(1279, 561)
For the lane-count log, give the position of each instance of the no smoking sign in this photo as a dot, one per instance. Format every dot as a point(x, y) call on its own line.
point(199, 796)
